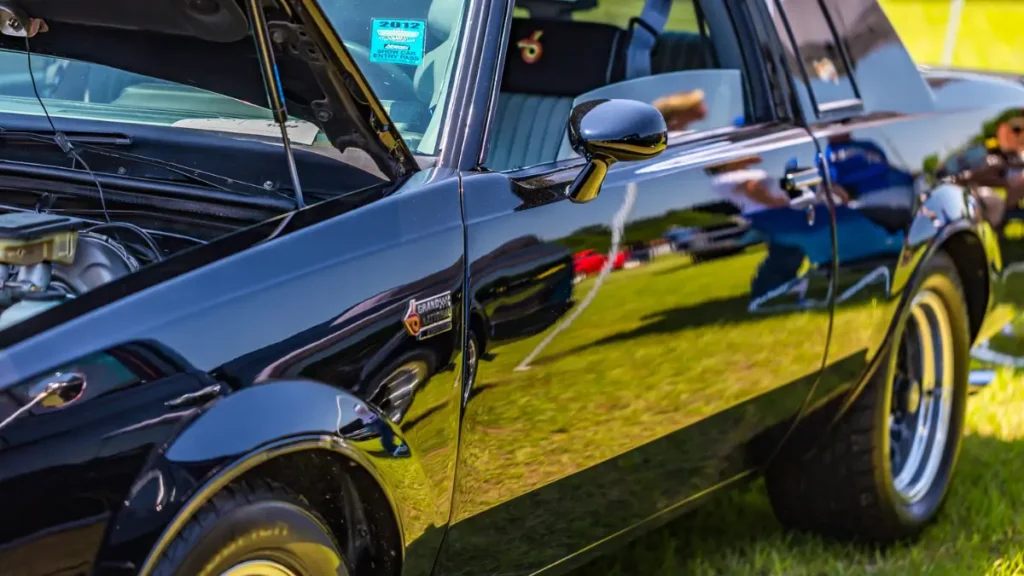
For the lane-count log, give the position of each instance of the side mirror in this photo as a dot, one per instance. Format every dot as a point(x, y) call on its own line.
point(609, 131)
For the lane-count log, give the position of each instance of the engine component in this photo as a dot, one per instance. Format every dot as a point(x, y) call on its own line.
point(44, 260)
point(98, 260)
point(28, 238)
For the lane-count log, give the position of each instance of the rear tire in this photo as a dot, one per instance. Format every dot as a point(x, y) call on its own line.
point(254, 528)
point(884, 471)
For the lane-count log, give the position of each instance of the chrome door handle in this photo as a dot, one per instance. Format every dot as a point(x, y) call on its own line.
point(802, 185)
point(801, 180)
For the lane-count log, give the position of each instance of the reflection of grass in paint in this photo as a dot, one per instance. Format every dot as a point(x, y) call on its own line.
point(979, 532)
point(652, 342)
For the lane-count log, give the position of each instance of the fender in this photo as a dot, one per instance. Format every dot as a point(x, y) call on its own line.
point(948, 210)
point(947, 215)
point(241, 431)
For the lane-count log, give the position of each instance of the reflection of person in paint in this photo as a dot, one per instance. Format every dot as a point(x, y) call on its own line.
point(996, 162)
point(682, 109)
point(750, 190)
point(768, 209)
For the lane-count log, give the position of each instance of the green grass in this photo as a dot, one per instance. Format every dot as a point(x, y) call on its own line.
point(578, 407)
point(989, 37)
point(980, 530)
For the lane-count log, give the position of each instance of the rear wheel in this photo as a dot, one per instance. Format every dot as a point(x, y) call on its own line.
point(254, 528)
point(885, 469)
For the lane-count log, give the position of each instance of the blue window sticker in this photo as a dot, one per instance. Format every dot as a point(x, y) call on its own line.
point(397, 41)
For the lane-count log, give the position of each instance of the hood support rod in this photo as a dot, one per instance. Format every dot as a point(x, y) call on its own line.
point(275, 92)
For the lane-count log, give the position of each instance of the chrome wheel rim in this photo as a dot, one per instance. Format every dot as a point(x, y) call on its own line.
point(259, 568)
point(922, 398)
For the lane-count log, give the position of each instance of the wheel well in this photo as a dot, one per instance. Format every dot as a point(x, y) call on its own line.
point(972, 265)
point(350, 501)
point(476, 324)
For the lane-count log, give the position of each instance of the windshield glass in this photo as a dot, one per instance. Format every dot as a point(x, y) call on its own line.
point(405, 48)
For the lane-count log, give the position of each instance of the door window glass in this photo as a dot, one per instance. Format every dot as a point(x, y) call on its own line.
point(818, 54)
point(692, 69)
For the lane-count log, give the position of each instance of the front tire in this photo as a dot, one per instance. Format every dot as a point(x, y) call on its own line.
point(254, 528)
point(884, 471)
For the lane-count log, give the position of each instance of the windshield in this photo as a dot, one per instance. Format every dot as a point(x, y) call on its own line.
point(405, 48)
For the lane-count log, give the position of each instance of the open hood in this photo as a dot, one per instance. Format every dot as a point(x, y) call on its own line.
point(209, 44)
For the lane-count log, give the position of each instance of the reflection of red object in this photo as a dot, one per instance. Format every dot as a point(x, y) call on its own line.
point(590, 262)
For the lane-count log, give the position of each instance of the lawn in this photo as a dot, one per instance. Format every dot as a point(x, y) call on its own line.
point(989, 37)
point(980, 531)
point(981, 528)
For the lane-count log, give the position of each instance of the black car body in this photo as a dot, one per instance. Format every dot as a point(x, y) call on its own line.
point(400, 352)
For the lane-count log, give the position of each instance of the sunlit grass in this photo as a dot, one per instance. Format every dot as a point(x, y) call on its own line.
point(989, 37)
point(980, 531)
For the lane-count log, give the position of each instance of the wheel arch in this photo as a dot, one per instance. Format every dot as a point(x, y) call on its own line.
point(968, 253)
point(962, 238)
point(946, 221)
point(300, 464)
point(261, 431)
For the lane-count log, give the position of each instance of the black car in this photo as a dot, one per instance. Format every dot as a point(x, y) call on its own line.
point(287, 287)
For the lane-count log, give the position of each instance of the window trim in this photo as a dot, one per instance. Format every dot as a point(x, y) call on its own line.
point(699, 141)
point(837, 109)
point(756, 75)
point(763, 105)
point(494, 90)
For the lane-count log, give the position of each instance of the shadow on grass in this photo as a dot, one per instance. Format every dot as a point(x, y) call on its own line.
point(674, 320)
point(980, 531)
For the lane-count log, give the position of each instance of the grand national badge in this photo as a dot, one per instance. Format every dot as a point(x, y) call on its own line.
point(429, 317)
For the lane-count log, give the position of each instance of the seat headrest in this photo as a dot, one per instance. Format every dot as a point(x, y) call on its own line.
point(562, 58)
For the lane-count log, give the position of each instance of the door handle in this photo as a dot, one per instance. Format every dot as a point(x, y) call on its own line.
point(800, 181)
point(801, 184)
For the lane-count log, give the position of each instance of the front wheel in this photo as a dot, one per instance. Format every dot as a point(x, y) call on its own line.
point(884, 471)
point(254, 528)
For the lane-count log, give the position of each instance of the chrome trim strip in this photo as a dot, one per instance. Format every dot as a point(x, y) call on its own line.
point(841, 105)
point(495, 78)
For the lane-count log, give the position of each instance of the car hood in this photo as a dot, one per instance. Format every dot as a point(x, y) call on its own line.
point(208, 44)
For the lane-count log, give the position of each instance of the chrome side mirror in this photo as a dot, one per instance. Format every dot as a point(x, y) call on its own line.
point(609, 131)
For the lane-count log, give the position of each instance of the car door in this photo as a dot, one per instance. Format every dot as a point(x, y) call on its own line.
point(601, 400)
point(875, 120)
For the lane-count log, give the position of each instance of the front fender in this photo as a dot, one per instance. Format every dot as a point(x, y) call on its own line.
point(237, 433)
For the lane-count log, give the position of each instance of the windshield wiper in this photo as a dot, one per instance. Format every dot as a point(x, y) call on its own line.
point(92, 142)
point(82, 138)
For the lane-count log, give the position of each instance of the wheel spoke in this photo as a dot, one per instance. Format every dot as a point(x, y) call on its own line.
point(921, 405)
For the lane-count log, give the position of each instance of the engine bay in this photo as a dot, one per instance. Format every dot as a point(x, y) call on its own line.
point(59, 241)
point(46, 259)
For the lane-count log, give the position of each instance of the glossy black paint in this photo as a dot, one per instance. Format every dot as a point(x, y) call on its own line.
point(894, 207)
point(603, 397)
point(339, 331)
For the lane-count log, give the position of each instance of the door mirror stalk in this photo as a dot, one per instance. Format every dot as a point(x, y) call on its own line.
point(609, 131)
